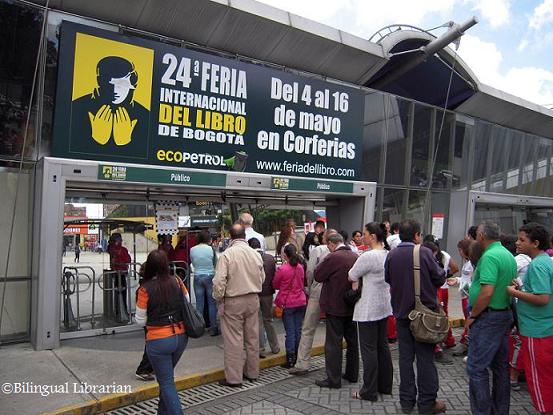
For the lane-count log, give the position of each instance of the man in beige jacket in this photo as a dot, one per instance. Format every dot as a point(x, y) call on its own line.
point(238, 279)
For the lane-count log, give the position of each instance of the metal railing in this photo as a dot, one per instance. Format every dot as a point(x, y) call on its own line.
point(117, 287)
point(182, 270)
point(386, 31)
point(117, 300)
point(70, 284)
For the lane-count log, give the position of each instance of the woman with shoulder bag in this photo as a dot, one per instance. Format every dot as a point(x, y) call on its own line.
point(159, 308)
point(371, 314)
point(289, 280)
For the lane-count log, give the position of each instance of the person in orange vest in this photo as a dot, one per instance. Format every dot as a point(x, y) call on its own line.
point(159, 309)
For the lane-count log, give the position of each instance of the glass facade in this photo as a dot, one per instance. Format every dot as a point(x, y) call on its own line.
point(20, 28)
point(417, 154)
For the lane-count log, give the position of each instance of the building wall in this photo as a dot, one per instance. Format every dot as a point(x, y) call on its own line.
point(15, 319)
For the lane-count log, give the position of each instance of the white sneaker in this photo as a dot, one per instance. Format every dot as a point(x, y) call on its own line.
point(465, 359)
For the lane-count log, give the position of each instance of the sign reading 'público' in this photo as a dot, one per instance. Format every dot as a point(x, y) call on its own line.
point(131, 100)
point(160, 176)
point(284, 183)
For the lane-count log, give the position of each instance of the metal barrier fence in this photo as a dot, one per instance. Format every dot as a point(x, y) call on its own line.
point(70, 284)
point(117, 287)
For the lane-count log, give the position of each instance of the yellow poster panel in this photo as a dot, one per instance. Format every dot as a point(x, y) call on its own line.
point(91, 50)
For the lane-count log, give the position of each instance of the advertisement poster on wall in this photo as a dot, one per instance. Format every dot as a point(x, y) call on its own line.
point(128, 99)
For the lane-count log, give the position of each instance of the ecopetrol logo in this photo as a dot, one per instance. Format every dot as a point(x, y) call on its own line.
point(111, 97)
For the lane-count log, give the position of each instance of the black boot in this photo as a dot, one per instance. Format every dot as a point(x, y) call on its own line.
point(290, 361)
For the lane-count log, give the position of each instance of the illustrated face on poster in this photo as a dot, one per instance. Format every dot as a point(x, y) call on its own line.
point(111, 97)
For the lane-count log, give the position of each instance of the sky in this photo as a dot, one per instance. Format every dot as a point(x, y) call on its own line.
point(511, 48)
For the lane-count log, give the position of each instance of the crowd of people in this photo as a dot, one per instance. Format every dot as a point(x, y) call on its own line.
point(365, 289)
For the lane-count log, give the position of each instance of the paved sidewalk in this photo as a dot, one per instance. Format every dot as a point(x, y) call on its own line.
point(278, 393)
point(104, 360)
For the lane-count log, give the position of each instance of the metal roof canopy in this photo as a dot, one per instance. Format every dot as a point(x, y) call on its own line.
point(245, 28)
point(428, 83)
point(260, 32)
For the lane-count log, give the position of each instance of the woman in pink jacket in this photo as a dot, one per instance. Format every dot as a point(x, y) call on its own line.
point(289, 281)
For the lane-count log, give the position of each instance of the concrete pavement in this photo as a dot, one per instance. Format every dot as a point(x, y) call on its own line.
point(277, 393)
point(105, 360)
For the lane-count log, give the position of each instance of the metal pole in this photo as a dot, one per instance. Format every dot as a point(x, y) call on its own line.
point(93, 295)
point(77, 289)
point(134, 250)
point(128, 293)
point(420, 55)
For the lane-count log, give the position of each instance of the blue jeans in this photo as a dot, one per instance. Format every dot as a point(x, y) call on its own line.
point(292, 318)
point(164, 355)
point(489, 348)
point(203, 284)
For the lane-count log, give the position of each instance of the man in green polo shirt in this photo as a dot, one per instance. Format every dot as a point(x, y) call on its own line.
point(489, 323)
point(535, 314)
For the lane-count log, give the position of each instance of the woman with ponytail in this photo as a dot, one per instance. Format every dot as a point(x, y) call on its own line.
point(289, 280)
point(159, 307)
point(371, 314)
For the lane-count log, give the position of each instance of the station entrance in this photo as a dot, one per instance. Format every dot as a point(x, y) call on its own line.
point(78, 291)
point(510, 212)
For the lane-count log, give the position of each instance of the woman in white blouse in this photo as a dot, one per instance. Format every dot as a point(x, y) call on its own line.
point(371, 313)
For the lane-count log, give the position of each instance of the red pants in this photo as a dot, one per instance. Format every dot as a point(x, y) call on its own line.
point(443, 296)
point(465, 306)
point(538, 367)
point(392, 333)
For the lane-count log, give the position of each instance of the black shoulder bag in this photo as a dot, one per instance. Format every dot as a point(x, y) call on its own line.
point(194, 323)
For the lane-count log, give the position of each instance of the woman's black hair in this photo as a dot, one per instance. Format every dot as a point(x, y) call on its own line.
point(472, 231)
point(355, 233)
point(435, 248)
point(157, 265)
point(432, 239)
point(475, 252)
point(292, 254)
point(429, 238)
point(254, 243)
point(310, 239)
point(379, 230)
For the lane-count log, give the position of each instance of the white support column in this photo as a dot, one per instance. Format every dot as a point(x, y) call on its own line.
point(47, 256)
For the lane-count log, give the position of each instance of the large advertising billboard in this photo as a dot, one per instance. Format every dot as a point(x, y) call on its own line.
point(129, 99)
